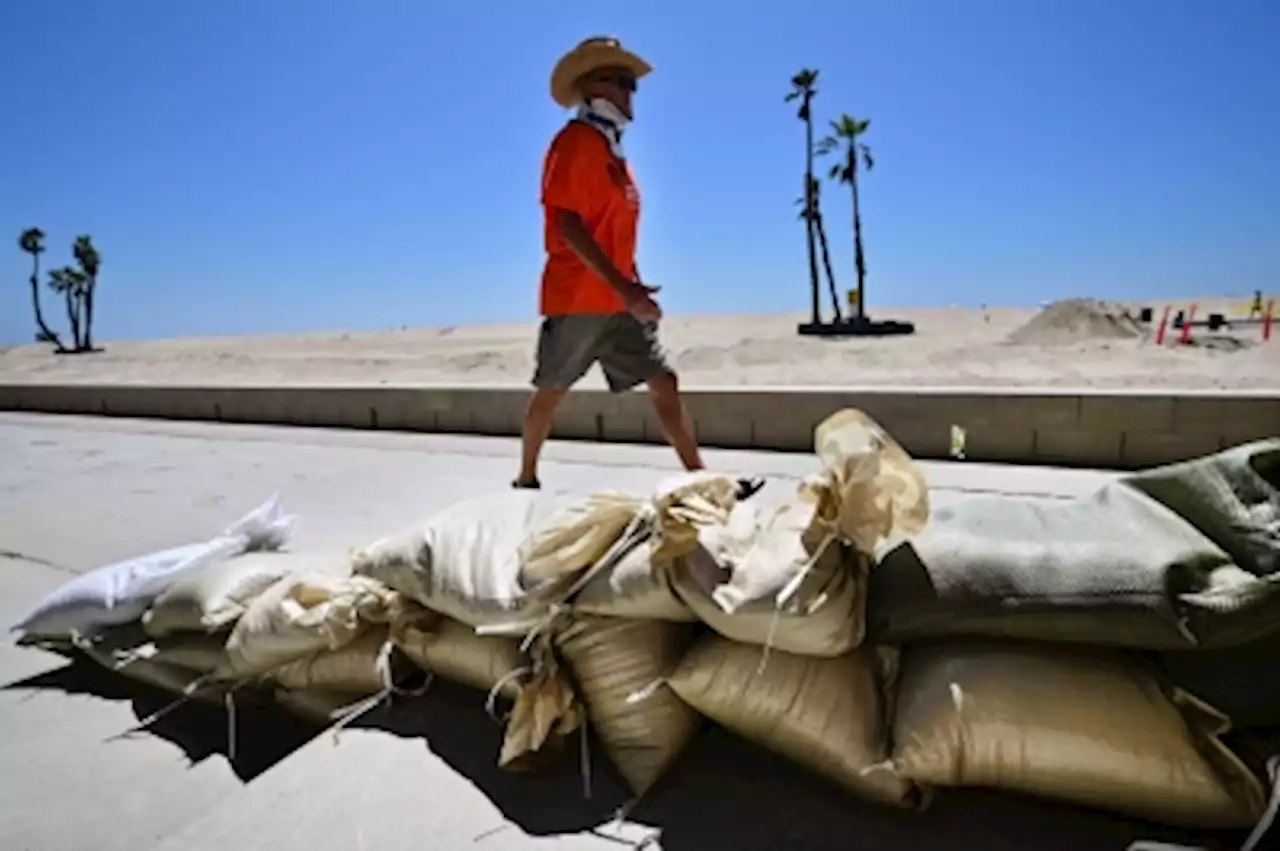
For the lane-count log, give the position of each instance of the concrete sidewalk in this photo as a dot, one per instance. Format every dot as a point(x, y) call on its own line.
point(79, 492)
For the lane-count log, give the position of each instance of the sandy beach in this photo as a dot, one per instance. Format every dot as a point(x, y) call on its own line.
point(1067, 344)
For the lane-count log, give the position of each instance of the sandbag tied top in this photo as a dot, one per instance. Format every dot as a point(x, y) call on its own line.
point(120, 593)
point(1089, 726)
point(871, 488)
point(302, 614)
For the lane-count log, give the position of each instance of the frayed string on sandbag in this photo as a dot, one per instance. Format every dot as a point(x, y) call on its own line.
point(491, 699)
point(390, 689)
point(229, 702)
point(188, 692)
point(584, 760)
point(788, 591)
point(645, 692)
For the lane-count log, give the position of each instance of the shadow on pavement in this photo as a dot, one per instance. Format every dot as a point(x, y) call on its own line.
point(723, 793)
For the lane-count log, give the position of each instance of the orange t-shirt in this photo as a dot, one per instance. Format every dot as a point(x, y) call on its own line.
point(582, 175)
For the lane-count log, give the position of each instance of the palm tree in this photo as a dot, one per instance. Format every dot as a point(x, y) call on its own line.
point(70, 283)
point(816, 218)
point(32, 242)
point(847, 133)
point(90, 263)
point(803, 89)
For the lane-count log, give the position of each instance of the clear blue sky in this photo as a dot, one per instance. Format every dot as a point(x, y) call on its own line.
point(273, 165)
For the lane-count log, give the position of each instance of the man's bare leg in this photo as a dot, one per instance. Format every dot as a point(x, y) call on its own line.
point(537, 426)
point(664, 390)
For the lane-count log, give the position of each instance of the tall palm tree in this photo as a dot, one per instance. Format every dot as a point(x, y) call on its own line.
point(847, 133)
point(70, 283)
point(803, 89)
point(32, 242)
point(90, 263)
point(816, 220)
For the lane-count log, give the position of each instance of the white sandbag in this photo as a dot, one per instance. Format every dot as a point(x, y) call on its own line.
point(120, 593)
point(825, 714)
point(1089, 727)
point(453, 650)
point(463, 562)
point(811, 593)
point(214, 596)
point(574, 535)
point(620, 667)
point(303, 614)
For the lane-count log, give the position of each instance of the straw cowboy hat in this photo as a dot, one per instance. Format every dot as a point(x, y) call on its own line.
point(591, 55)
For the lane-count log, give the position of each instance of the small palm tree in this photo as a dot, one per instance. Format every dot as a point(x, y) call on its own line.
point(90, 262)
point(847, 133)
point(803, 89)
point(71, 283)
point(32, 242)
point(815, 217)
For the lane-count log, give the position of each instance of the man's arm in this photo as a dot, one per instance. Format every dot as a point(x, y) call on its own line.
point(578, 237)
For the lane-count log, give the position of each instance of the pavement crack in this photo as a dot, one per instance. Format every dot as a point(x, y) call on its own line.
point(14, 555)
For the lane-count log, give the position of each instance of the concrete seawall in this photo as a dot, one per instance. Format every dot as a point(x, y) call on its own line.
point(1059, 427)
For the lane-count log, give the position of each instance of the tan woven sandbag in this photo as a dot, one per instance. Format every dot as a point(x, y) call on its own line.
point(302, 614)
point(1089, 727)
point(825, 714)
point(452, 650)
point(823, 614)
point(619, 666)
point(357, 667)
point(464, 562)
point(192, 651)
point(214, 597)
point(546, 711)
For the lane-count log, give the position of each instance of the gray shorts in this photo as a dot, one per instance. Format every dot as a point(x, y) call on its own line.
point(627, 351)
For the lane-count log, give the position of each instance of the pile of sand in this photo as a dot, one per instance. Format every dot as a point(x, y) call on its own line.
point(1077, 320)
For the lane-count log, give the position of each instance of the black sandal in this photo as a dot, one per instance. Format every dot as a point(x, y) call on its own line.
point(534, 485)
point(749, 487)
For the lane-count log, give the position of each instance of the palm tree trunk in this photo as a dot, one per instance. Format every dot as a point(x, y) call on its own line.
point(88, 314)
point(808, 206)
point(826, 262)
point(858, 260)
point(35, 305)
point(73, 318)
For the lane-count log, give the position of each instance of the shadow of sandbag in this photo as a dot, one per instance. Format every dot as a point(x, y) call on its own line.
point(544, 800)
point(263, 734)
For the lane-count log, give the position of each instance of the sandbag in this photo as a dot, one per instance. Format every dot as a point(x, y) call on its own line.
point(795, 580)
point(302, 614)
point(619, 666)
point(825, 714)
point(1091, 727)
point(1104, 570)
point(1233, 499)
point(452, 650)
point(120, 593)
point(214, 596)
point(464, 561)
point(358, 667)
point(1239, 681)
point(318, 707)
point(635, 584)
point(822, 616)
point(627, 572)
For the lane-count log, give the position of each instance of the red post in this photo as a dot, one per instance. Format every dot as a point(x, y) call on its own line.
point(1164, 323)
point(1186, 325)
point(1267, 319)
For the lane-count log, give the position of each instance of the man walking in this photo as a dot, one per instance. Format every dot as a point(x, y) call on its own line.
point(594, 306)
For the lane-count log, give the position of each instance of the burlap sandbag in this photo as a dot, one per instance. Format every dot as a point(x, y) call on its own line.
point(620, 666)
point(1090, 727)
point(825, 714)
point(318, 707)
point(214, 596)
point(452, 650)
point(303, 614)
point(635, 585)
